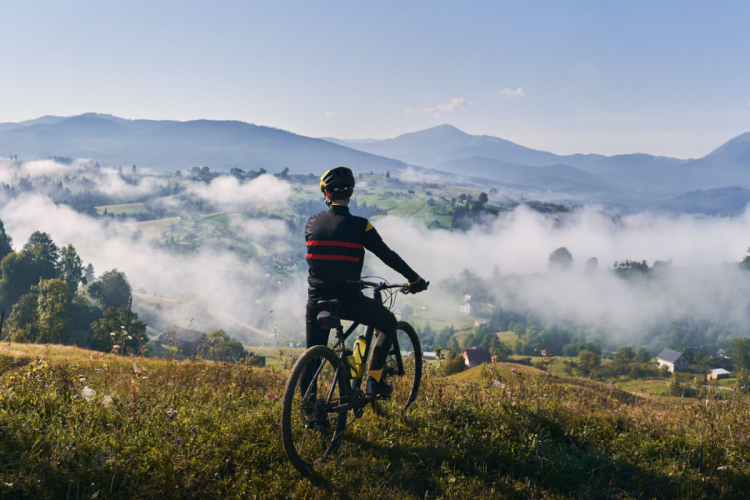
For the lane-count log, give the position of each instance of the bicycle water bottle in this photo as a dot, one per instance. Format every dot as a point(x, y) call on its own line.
point(352, 363)
point(359, 355)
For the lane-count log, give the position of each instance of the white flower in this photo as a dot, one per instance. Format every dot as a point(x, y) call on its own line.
point(107, 401)
point(291, 344)
point(82, 379)
point(88, 393)
point(116, 346)
point(112, 333)
point(130, 338)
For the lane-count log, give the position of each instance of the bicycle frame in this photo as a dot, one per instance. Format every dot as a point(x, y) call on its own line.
point(341, 337)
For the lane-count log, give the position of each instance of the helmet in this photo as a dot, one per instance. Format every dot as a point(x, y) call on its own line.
point(337, 178)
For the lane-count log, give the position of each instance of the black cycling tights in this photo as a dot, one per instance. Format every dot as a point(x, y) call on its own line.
point(362, 309)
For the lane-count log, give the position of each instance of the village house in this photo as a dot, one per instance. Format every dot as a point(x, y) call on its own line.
point(674, 360)
point(469, 307)
point(404, 311)
point(717, 373)
point(475, 357)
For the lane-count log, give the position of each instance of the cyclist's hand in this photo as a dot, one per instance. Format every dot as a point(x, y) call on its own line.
point(420, 285)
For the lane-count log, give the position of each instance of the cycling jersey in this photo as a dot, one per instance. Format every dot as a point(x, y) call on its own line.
point(336, 243)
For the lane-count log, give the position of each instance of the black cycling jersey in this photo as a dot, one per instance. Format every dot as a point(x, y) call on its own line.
point(336, 243)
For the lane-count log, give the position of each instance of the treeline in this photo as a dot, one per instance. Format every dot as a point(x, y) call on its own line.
point(47, 296)
point(502, 310)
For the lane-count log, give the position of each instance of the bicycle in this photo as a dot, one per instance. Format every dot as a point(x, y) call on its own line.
point(312, 427)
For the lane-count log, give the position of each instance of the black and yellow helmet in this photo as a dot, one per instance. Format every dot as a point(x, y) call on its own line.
point(337, 178)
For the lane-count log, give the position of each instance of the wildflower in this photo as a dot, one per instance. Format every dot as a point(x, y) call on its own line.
point(609, 387)
point(737, 436)
point(130, 338)
point(296, 358)
point(291, 344)
point(297, 344)
point(46, 385)
point(512, 369)
point(82, 379)
point(269, 394)
point(448, 409)
point(107, 401)
point(116, 346)
point(174, 360)
point(230, 394)
point(275, 398)
point(648, 434)
point(178, 441)
point(615, 411)
point(112, 333)
point(88, 393)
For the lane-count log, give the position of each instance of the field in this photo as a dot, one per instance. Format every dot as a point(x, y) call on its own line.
point(81, 424)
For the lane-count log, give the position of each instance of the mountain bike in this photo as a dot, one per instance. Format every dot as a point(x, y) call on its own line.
point(325, 383)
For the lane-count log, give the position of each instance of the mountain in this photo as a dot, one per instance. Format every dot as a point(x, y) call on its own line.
point(172, 145)
point(443, 143)
point(721, 201)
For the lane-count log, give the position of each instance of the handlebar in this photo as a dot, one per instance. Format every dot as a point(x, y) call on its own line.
point(379, 286)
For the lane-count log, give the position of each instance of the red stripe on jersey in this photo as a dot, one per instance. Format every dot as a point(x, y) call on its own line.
point(328, 243)
point(332, 257)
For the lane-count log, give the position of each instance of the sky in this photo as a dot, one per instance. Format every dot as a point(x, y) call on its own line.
point(665, 78)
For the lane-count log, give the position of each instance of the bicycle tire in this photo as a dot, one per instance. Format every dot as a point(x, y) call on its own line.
point(304, 466)
point(415, 371)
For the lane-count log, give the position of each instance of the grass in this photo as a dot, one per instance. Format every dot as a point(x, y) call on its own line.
point(127, 209)
point(211, 430)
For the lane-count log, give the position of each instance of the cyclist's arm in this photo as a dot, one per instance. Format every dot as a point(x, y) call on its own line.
point(375, 244)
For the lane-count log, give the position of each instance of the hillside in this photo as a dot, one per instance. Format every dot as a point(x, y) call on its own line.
point(138, 428)
point(728, 201)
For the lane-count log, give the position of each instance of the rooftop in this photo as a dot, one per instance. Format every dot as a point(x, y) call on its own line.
point(669, 355)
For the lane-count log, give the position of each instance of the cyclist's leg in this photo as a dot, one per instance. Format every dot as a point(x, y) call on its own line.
point(315, 336)
point(367, 311)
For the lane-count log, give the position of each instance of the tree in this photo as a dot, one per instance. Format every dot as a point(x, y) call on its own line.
point(587, 361)
point(387, 174)
point(591, 265)
point(22, 321)
point(442, 338)
point(52, 311)
point(112, 289)
point(222, 347)
point(109, 333)
point(89, 275)
point(483, 198)
point(45, 253)
point(71, 270)
point(5, 242)
point(18, 276)
point(739, 352)
point(560, 260)
point(642, 355)
point(624, 355)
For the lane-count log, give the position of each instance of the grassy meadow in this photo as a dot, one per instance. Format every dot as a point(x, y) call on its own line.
point(81, 424)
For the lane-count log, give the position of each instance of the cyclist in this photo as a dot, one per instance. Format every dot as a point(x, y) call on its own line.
point(336, 243)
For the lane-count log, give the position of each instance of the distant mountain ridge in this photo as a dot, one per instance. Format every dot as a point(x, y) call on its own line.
point(172, 145)
point(621, 180)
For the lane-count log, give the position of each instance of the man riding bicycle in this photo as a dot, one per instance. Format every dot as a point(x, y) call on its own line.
point(336, 243)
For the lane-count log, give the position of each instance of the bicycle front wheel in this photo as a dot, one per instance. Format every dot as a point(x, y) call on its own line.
point(405, 382)
point(311, 425)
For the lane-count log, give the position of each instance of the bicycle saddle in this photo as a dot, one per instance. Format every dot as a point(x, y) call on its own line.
point(329, 305)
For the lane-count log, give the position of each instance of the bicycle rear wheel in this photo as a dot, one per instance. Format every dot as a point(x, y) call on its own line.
point(310, 426)
point(406, 385)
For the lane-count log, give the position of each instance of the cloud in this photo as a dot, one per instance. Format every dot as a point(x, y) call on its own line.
point(700, 284)
point(331, 114)
point(229, 193)
point(512, 94)
point(451, 105)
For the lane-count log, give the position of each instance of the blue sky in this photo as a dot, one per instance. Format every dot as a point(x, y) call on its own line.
point(668, 78)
